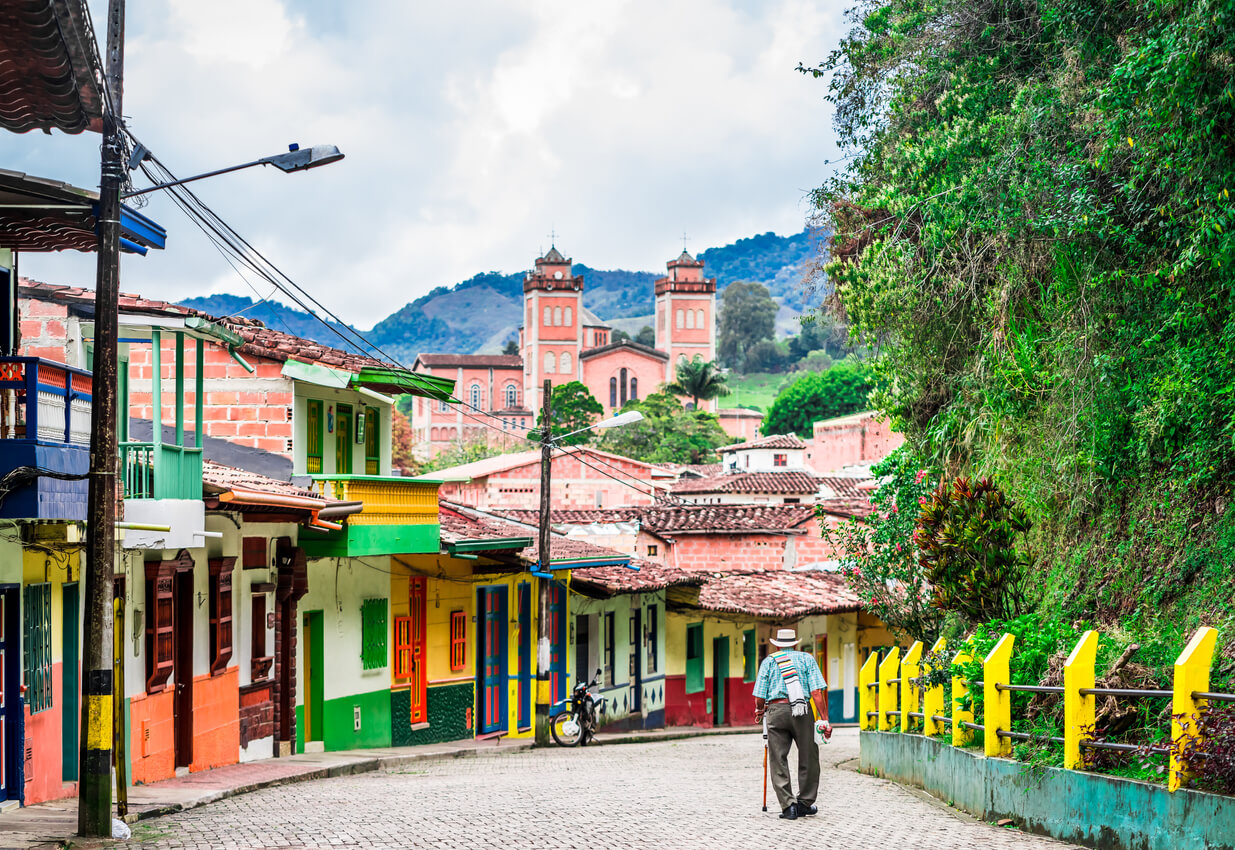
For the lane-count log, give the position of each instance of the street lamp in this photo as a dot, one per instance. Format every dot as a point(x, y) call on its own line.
point(296, 159)
point(543, 635)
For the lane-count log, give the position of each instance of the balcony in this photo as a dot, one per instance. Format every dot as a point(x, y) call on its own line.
point(44, 425)
point(160, 471)
point(400, 517)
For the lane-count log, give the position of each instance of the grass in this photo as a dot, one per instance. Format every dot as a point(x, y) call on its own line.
point(757, 389)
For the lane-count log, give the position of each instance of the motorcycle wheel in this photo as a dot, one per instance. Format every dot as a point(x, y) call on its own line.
point(566, 729)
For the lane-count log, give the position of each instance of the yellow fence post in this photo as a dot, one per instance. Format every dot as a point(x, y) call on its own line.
point(911, 668)
point(888, 670)
point(1078, 708)
point(960, 689)
point(1191, 675)
point(932, 697)
point(866, 692)
point(997, 703)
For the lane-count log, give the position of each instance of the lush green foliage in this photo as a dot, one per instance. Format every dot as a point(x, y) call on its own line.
point(698, 380)
point(668, 433)
point(841, 390)
point(747, 316)
point(646, 336)
point(401, 444)
point(967, 540)
point(878, 555)
point(573, 408)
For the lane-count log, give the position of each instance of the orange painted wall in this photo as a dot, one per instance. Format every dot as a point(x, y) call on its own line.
point(216, 720)
point(152, 733)
point(43, 730)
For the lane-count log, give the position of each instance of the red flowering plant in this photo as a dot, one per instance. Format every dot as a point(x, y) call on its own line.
point(878, 557)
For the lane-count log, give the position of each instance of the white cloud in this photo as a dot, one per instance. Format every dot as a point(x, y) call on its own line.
point(470, 130)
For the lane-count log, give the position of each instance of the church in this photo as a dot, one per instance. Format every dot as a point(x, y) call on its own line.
point(562, 340)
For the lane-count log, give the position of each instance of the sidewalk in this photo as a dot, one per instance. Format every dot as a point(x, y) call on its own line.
point(49, 824)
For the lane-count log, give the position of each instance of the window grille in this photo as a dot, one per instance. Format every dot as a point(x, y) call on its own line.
point(653, 639)
point(372, 441)
point(314, 436)
point(38, 661)
point(458, 640)
point(373, 634)
point(221, 613)
point(403, 647)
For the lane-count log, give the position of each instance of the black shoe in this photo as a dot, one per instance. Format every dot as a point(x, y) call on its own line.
point(804, 810)
point(791, 813)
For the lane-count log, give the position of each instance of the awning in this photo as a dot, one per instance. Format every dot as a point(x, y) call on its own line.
point(37, 214)
point(394, 381)
point(50, 71)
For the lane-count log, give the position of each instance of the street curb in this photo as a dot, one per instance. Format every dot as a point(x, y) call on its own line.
point(649, 738)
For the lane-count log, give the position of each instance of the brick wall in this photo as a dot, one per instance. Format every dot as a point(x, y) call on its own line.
point(44, 330)
point(720, 551)
point(849, 441)
point(256, 712)
point(574, 485)
point(252, 410)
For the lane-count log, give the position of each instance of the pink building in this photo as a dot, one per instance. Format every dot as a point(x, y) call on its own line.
point(562, 340)
point(859, 439)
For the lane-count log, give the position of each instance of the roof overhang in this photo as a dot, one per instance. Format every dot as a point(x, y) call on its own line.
point(392, 380)
point(37, 214)
point(50, 70)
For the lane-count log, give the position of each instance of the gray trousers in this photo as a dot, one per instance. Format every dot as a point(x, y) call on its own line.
point(785, 729)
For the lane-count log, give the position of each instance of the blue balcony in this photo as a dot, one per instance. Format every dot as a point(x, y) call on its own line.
point(44, 427)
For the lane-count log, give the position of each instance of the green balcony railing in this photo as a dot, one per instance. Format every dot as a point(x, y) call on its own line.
point(162, 471)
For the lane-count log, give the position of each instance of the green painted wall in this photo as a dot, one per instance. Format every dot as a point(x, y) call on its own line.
point(359, 540)
point(448, 711)
point(339, 732)
point(1082, 808)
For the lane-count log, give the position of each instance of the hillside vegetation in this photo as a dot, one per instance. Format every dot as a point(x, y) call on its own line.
point(1035, 234)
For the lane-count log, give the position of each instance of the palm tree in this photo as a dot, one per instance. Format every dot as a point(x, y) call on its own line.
point(699, 379)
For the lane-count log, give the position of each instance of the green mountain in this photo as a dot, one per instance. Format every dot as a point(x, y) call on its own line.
point(482, 312)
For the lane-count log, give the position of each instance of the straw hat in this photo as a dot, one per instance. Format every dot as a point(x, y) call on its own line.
point(785, 637)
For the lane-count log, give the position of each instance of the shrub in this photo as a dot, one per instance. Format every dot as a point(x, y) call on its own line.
point(1210, 756)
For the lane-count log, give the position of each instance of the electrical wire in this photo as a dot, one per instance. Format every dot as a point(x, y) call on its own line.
point(665, 497)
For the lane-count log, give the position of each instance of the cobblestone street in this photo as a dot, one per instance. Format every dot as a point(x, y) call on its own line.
point(696, 793)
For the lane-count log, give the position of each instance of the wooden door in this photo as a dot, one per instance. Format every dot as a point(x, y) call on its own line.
point(416, 639)
point(182, 667)
point(557, 643)
point(343, 440)
point(636, 659)
point(70, 688)
point(720, 679)
point(10, 685)
point(491, 602)
point(314, 719)
point(525, 655)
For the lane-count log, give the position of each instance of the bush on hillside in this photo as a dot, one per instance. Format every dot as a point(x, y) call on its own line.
point(841, 390)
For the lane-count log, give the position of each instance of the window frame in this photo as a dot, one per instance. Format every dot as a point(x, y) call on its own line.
point(780, 459)
point(315, 431)
point(653, 627)
point(37, 662)
point(750, 653)
point(344, 459)
point(511, 396)
point(610, 650)
point(373, 647)
point(222, 631)
point(160, 624)
point(458, 640)
point(696, 669)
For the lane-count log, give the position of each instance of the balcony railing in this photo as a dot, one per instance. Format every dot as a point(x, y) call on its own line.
point(44, 401)
point(160, 471)
point(388, 500)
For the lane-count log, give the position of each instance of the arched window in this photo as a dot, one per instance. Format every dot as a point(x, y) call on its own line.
point(512, 396)
point(613, 392)
point(699, 322)
point(550, 363)
point(569, 318)
point(557, 316)
point(548, 316)
point(565, 367)
point(435, 434)
point(473, 395)
point(634, 389)
point(690, 319)
point(622, 385)
point(681, 319)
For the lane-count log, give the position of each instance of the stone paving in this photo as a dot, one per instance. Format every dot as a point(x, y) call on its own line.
point(696, 793)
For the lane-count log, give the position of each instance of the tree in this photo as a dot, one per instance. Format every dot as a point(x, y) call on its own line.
point(747, 315)
point(646, 336)
point(511, 347)
point(619, 335)
point(668, 433)
point(401, 443)
point(877, 553)
point(466, 451)
point(573, 408)
point(699, 380)
point(841, 390)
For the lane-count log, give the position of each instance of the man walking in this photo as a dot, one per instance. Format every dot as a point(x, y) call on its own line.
point(785, 678)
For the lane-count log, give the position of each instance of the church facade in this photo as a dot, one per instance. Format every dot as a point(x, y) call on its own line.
point(563, 341)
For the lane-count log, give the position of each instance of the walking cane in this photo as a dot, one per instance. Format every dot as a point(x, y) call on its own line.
point(765, 764)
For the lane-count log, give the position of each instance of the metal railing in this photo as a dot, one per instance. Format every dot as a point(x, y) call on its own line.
point(44, 401)
point(890, 687)
point(160, 471)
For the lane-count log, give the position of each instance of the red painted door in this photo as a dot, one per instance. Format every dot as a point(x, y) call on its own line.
point(419, 669)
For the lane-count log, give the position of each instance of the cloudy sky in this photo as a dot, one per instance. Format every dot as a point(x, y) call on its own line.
point(472, 130)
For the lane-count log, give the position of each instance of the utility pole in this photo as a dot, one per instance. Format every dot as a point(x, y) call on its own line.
point(94, 788)
point(543, 585)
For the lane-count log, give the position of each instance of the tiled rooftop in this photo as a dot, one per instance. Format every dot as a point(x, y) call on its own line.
point(777, 594)
point(649, 577)
point(794, 482)
point(478, 361)
point(693, 519)
point(775, 441)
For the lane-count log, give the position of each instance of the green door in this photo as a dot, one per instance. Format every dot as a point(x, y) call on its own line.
point(70, 704)
point(313, 676)
point(720, 678)
point(343, 440)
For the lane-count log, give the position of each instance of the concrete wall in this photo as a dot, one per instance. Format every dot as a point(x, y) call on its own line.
point(683, 708)
point(617, 690)
point(1083, 808)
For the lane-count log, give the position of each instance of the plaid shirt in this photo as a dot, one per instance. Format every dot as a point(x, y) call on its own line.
point(770, 684)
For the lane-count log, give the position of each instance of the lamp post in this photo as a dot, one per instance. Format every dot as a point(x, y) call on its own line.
point(99, 688)
point(544, 587)
point(296, 159)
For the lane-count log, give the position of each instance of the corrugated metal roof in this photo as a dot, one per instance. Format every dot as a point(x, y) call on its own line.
point(51, 76)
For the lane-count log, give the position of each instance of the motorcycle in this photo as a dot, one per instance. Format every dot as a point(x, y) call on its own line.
point(574, 723)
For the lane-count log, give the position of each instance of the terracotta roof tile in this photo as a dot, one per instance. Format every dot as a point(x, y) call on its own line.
point(459, 522)
point(848, 508)
point(794, 482)
point(478, 361)
point(775, 441)
point(218, 478)
point(693, 519)
point(846, 487)
point(575, 516)
point(649, 577)
point(633, 346)
point(781, 594)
